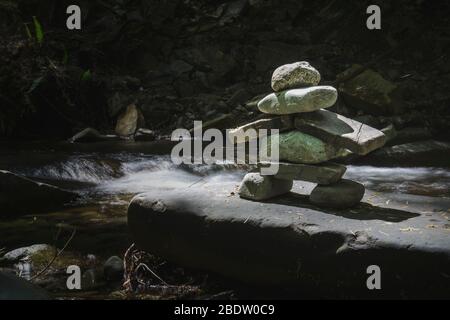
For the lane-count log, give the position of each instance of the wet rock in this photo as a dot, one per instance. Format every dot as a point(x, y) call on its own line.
point(26, 253)
point(145, 135)
point(370, 92)
point(257, 187)
point(298, 147)
point(299, 100)
point(129, 121)
point(92, 135)
point(15, 288)
point(428, 153)
point(340, 195)
point(288, 243)
point(341, 131)
point(326, 173)
point(295, 75)
point(20, 195)
point(113, 268)
point(282, 123)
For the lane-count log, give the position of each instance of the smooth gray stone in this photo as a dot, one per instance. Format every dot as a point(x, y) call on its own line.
point(325, 173)
point(341, 131)
point(254, 186)
point(295, 75)
point(289, 243)
point(298, 100)
point(340, 195)
point(25, 252)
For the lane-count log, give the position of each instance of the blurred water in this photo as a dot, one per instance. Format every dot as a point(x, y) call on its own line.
point(123, 173)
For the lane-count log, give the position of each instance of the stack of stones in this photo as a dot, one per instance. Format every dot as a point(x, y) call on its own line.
point(309, 137)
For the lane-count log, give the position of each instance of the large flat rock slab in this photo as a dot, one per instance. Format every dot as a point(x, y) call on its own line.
point(342, 131)
point(287, 242)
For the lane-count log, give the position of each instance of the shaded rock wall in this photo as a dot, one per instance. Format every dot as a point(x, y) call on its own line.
point(185, 60)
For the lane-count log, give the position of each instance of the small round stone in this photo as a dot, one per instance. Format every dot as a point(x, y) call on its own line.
point(339, 195)
point(295, 75)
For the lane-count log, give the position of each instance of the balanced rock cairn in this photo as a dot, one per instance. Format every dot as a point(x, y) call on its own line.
point(310, 136)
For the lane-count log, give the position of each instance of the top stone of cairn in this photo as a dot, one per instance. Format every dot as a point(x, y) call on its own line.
point(294, 75)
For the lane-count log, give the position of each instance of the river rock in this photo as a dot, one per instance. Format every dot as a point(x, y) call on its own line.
point(370, 92)
point(340, 131)
point(325, 173)
point(92, 135)
point(340, 195)
point(295, 75)
point(26, 252)
point(15, 288)
point(288, 243)
point(282, 123)
point(144, 135)
point(20, 195)
point(113, 268)
point(129, 121)
point(299, 147)
point(254, 186)
point(298, 100)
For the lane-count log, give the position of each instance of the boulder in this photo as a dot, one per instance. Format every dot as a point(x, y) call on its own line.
point(340, 131)
point(288, 243)
point(370, 92)
point(295, 75)
point(299, 147)
point(113, 268)
point(298, 100)
point(129, 121)
point(254, 186)
point(282, 123)
point(20, 195)
point(26, 253)
point(15, 288)
point(340, 195)
point(325, 173)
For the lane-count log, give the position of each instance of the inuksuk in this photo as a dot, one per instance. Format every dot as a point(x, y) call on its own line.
point(309, 137)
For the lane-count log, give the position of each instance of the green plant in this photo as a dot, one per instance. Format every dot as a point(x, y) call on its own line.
point(39, 33)
point(87, 75)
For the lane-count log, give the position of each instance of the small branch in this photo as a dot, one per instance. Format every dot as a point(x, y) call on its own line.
point(57, 254)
